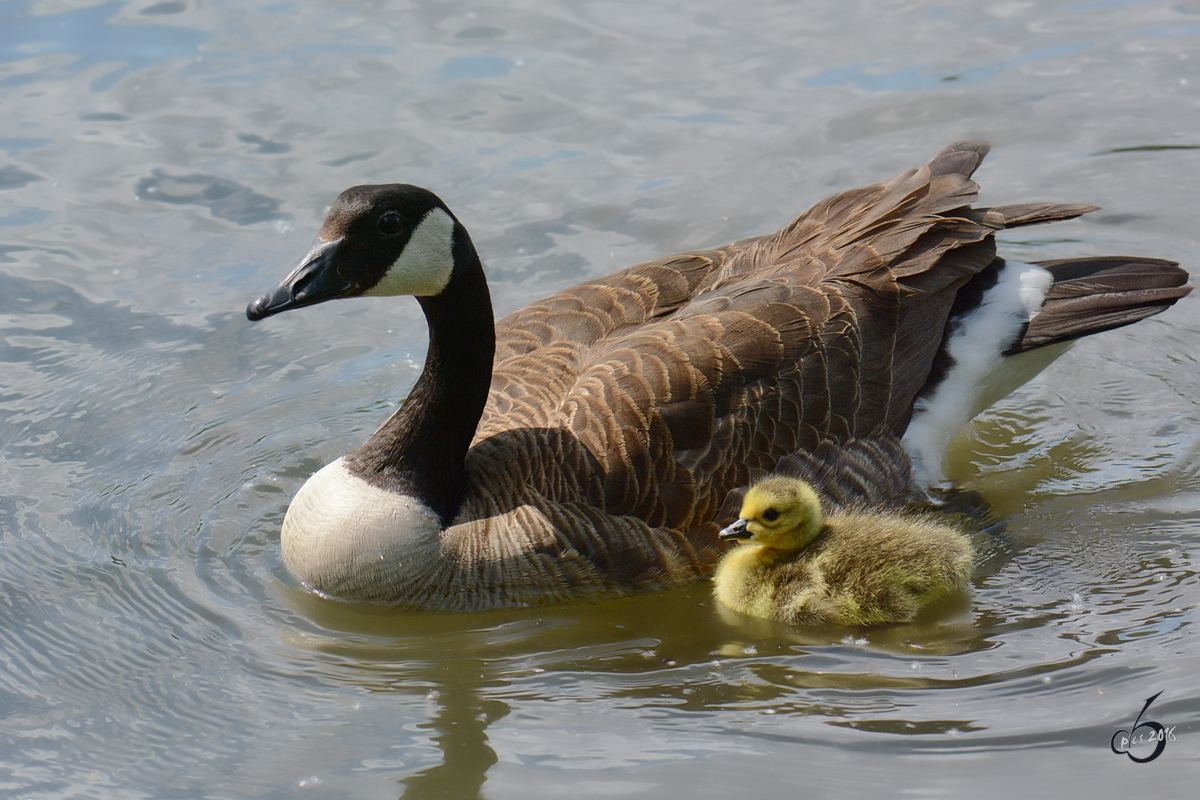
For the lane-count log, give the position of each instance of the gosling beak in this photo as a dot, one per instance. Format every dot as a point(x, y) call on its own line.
point(735, 531)
point(316, 279)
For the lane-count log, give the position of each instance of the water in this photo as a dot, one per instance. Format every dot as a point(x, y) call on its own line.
point(162, 163)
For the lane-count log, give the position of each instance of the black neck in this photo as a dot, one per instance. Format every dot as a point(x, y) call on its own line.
point(421, 449)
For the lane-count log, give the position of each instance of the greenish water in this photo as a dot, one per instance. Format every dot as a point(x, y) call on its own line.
point(161, 163)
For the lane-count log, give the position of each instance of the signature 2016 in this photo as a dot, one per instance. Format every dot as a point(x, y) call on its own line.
point(1123, 741)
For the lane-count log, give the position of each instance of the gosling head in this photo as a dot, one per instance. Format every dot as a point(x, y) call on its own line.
point(779, 513)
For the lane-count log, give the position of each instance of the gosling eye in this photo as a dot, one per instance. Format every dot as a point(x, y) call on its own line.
point(770, 515)
point(390, 223)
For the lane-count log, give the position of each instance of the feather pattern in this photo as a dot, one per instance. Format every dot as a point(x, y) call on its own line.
point(624, 415)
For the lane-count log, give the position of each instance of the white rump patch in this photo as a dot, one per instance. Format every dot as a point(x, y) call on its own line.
point(424, 267)
point(980, 375)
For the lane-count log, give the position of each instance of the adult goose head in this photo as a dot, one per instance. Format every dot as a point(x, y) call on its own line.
point(596, 440)
point(399, 239)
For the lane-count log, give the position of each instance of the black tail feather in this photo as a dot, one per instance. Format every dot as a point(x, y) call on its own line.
point(1090, 295)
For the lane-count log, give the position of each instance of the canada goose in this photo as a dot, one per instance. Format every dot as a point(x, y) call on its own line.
point(588, 441)
point(850, 567)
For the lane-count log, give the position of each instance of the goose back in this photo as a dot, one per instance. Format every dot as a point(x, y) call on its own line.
point(625, 413)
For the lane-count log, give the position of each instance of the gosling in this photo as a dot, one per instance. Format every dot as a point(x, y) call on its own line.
point(852, 567)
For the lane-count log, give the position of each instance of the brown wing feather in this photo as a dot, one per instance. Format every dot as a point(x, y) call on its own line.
point(624, 413)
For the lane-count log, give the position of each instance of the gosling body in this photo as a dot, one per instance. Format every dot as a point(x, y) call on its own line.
point(851, 567)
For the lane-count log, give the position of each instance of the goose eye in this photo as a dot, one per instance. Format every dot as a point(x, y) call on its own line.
point(770, 515)
point(390, 223)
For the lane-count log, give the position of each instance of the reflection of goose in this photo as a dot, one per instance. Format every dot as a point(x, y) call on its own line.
point(851, 567)
point(595, 449)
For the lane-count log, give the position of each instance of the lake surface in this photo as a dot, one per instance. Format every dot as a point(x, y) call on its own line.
point(163, 163)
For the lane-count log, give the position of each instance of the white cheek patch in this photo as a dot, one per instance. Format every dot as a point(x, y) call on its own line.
point(423, 268)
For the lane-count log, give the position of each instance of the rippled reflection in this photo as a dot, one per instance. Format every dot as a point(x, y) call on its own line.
point(162, 161)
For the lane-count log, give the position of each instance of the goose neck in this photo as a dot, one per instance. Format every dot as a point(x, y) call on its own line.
point(421, 450)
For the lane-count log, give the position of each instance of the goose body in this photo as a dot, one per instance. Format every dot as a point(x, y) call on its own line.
point(592, 441)
point(849, 567)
